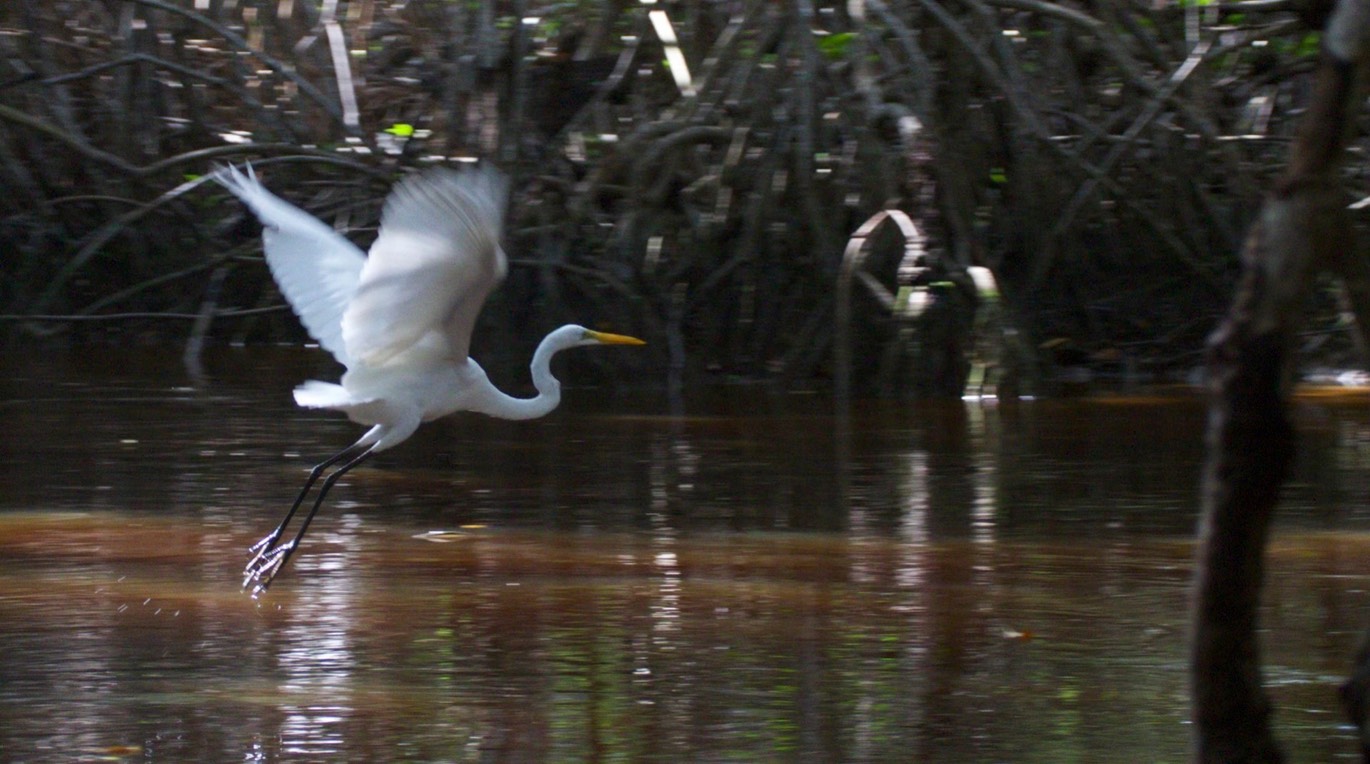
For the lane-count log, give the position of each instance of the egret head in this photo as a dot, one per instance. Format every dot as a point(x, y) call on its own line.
point(591, 337)
point(574, 336)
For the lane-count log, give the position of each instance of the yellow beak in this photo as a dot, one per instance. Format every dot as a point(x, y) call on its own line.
point(613, 339)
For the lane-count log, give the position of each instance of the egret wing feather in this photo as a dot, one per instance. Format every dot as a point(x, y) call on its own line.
point(316, 268)
point(436, 260)
point(313, 394)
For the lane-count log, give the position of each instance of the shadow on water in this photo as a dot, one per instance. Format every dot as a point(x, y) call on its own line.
point(750, 581)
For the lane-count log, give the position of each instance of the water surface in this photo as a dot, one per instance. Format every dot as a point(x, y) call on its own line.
point(746, 580)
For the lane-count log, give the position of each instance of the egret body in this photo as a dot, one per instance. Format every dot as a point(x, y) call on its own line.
point(399, 318)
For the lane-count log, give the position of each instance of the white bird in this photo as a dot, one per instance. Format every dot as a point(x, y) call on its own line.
point(399, 318)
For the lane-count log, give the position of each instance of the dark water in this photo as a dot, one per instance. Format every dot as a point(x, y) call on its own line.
point(750, 581)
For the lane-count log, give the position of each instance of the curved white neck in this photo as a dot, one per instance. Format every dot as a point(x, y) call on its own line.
point(549, 389)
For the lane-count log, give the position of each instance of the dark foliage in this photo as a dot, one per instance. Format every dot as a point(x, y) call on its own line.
point(1101, 160)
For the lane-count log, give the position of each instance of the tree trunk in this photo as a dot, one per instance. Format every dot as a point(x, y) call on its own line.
point(1302, 227)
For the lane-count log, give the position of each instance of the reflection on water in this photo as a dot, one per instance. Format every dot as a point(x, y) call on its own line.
point(751, 581)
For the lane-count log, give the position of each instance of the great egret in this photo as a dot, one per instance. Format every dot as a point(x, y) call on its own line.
point(399, 319)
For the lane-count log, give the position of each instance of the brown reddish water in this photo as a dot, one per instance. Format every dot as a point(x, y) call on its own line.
point(750, 580)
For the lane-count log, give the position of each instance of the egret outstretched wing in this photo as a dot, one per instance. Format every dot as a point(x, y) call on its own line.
point(315, 267)
point(436, 260)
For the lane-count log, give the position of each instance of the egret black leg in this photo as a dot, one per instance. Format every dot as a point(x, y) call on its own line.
point(265, 545)
point(268, 558)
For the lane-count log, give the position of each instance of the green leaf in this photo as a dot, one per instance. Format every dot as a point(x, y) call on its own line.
point(835, 46)
point(1310, 45)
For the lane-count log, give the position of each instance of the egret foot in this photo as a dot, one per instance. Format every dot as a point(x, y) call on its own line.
point(263, 568)
point(259, 549)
